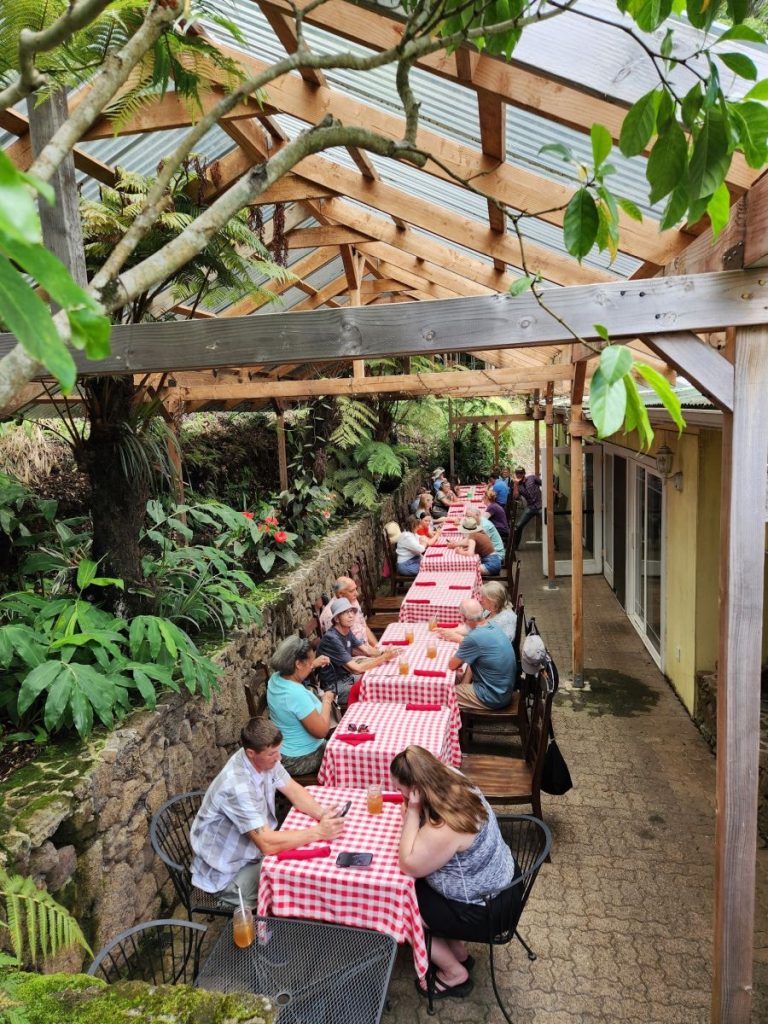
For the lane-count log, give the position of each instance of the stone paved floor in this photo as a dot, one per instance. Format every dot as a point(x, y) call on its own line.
point(622, 917)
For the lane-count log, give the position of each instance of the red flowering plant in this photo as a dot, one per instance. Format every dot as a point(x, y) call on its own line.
point(309, 507)
point(264, 539)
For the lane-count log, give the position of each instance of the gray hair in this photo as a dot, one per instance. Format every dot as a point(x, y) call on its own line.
point(472, 610)
point(287, 653)
point(496, 593)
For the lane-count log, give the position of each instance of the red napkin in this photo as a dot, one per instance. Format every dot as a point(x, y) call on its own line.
point(428, 672)
point(392, 798)
point(447, 625)
point(305, 854)
point(459, 586)
point(425, 583)
point(393, 643)
point(419, 600)
point(356, 737)
point(423, 707)
point(432, 554)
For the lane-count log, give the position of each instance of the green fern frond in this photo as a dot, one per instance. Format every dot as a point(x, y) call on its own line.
point(36, 923)
point(357, 419)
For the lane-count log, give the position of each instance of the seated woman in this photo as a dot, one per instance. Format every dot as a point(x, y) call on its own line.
point(410, 547)
point(452, 845)
point(302, 717)
point(444, 497)
point(496, 514)
point(477, 542)
point(493, 597)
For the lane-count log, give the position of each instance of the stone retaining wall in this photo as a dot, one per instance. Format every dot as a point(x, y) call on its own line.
point(77, 818)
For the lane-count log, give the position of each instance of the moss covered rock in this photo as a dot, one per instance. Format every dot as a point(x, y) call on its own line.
point(79, 999)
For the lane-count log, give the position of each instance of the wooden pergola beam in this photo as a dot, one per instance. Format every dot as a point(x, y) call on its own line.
point(405, 384)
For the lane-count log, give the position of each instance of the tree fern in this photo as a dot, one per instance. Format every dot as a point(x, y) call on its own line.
point(37, 925)
point(357, 420)
point(379, 458)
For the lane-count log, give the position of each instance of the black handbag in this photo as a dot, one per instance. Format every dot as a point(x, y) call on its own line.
point(555, 777)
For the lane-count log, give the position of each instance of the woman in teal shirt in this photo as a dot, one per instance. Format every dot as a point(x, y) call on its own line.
point(303, 718)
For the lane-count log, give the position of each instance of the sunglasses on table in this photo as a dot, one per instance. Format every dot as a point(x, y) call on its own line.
point(357, 728)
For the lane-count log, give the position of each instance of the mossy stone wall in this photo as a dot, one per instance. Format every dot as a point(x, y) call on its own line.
point(77, 819)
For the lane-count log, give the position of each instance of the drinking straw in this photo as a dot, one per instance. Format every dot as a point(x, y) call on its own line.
point(242, 904)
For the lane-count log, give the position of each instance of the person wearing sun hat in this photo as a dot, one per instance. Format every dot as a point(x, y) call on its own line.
point(475, 541)
point(438, 475)
point(343, 650)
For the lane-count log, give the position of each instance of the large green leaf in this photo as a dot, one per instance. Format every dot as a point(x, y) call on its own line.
point(710, 158)
point(580, 224)
point(39, 679)
point(615, 361)
point(649, 14)
point(607, 403)
point(59, 694)
point(667, 162)
point(90, 332)
point(29, 319)
point(751, 120)
point(637, 414)
point(639, 124)
point(19, 218)
point(602, 143)
point(50, 273)
point(740, 65)
point(664, 390)
point(718, 208)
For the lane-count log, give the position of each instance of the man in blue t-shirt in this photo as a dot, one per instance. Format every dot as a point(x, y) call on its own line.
point(500, 484)
point(490, 659)
point(343, 650)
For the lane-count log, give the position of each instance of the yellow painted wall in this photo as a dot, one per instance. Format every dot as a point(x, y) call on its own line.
point(708, 550)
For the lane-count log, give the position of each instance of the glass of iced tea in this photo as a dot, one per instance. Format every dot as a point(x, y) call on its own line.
point(432, 625)
point(409, 634)
point(375, 799)
point(431, 649)
point(403, 666)
point(242, 927)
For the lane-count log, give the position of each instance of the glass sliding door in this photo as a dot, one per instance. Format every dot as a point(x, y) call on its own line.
point(592, 513)
point(645, 604)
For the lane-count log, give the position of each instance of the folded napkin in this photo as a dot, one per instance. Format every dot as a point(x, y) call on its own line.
point(392, 798)
point(432, 554)
point(393, 643)
point(425, 583)
point(356, 737)
point(459, 586)
point(423, 707)
point(428, 672)
point(305, 854)
point(418, 600)
point(447, 625)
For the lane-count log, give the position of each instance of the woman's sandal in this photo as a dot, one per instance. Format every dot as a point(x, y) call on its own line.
point(469, 963)
point(443, 991)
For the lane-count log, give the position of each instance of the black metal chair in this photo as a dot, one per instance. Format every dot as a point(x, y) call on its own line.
point(163, 952)
point(530, 841)
point(169, 835)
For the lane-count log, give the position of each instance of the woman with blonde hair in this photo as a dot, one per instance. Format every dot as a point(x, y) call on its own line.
point(493, 598)
point(451, 844)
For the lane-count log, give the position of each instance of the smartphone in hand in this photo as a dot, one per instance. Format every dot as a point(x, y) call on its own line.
point(343, 812)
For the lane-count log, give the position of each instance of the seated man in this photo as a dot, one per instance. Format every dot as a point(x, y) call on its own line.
point(477, 542)
point(500, 484)
point(236, 824)
point(491, 674)
point(342, 647)
point(346, 587)
point(438, 476)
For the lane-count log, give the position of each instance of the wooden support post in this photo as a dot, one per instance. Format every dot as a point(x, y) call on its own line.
point(353, 268)
point(577, 528)
point(282, 456)
point(496, 439)
point(536, 456)
point(550, 471)
point(451, 447)
point(742, 524)
point(62, 228)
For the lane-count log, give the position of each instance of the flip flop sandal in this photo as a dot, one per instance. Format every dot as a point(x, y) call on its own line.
point(469, 963)
point(443, 991)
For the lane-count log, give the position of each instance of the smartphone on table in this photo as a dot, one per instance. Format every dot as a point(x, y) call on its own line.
point(354, 860)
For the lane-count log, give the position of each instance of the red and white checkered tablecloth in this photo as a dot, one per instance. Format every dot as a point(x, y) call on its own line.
point(357, 765)
point(379, 897)
point(396, 631)
point(390, 686)
point(442, 600)
point(441, 558)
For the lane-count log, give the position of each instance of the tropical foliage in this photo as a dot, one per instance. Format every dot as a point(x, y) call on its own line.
point(36, 924)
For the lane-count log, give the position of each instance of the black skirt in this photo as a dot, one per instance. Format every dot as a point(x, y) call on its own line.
point(452, 919)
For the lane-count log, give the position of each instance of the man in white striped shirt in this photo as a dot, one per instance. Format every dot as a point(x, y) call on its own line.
point(236, 825)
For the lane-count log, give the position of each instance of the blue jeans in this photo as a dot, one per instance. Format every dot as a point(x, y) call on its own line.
point(410, 567)
point(528, 514)
point(491, 564)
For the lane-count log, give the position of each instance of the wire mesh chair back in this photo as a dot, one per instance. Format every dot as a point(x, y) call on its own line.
point(530, 841)
point(255, 689)
point(169, 834)
point(163, 952)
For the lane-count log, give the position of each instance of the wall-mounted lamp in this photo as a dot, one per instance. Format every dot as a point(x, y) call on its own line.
point(664, 460)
